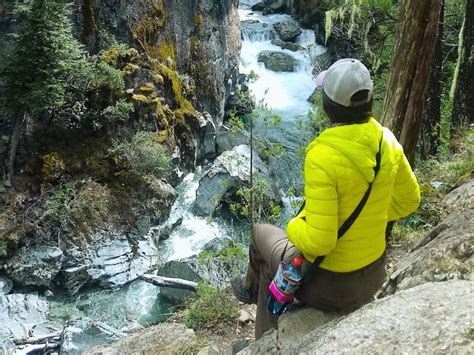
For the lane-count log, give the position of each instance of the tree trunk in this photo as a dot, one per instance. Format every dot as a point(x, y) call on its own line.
point(410, 71)
point(430, 131)
point(14, 140)
point(463, 98)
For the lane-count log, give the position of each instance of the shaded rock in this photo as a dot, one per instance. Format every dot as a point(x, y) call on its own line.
point(258, 6)
point(434, 316)
point(313, 98)
point(83, 334)
point(445, 252)
point(6, 286)
point(267, 11)
point(35, 266)
point(226, 139)
point(277, 61)
point(163, 232)
point(20, 313)
point(288, 30)
point(278, 5)
point(287, 45)
point(257, 31)
point(239, 105)
point(208, 267)
point(165, 338)
point(206, 138)
point(230, 171)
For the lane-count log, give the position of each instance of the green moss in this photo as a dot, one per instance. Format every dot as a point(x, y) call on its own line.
point(53, 166)
point(147, 88)
point(194, 46)
point(140, 98)
point(151, 23)
point(167, 54)
point(198, 22)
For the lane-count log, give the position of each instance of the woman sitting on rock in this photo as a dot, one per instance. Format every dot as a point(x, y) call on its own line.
point(339, 166)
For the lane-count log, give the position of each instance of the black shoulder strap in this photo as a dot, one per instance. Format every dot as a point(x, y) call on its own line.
point(348, 223)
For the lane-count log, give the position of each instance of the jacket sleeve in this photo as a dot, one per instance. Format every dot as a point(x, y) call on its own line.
point(314, 230)
point(406, 192)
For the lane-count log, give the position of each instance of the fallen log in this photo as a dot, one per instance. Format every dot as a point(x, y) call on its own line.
point(38, 340)
point(170, 282)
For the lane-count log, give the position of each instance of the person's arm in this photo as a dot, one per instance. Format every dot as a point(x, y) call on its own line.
point(406, 192)
point(314, 230)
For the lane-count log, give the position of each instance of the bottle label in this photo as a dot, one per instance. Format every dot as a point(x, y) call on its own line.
point(283, 287)
point(279, 296)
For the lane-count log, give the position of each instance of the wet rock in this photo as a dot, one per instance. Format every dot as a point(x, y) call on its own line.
point(278, 5)
point(35, 266)
point(163, 232)
point(287, 45)
point(445, 252)
point(6, 286)
point(230, 171)
point(267, 11)
point(260, 6)
point(434, 316)
point(109, 263)
point(277, 61)
point(208, 267)
point(239, 105)
point(19, 313)
point(165, 338)
point(206, 138)
point(83, 334)
point(226, 139)
point(288, 30)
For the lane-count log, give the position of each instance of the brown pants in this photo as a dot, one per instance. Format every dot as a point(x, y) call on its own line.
point(325, 290)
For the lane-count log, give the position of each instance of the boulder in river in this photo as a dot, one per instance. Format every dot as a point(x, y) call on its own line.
point(230, 171)
point(19, 313)
point(288, 30)
point(278, 5)
point(35, 266)
point(256, 30)
point(84, 333)
point(259, 6)
point(6, 286)
point(277, 61)
point(287, 45)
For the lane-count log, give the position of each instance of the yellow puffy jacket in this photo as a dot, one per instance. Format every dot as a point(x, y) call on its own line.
point(338, 167)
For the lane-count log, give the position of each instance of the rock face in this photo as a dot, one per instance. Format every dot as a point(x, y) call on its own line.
point(288, 30)
point(20, 313)
point(277, 61)
point(411, 321)
point(230, 171)
point(202, 37)
point(83, 334)
point(163, 339)
point(445, 252)
point(109, 262)
point(35, 266)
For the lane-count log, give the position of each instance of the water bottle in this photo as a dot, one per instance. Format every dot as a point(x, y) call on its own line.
point(284, 285)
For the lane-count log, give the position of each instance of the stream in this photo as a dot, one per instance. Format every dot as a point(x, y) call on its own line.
point(285, 94)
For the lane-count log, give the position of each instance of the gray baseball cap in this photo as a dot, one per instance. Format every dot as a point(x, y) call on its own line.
point(343, 79)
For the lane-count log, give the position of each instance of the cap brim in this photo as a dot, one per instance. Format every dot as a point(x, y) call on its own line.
point(320, 79)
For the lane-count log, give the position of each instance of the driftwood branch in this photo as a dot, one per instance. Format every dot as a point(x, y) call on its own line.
point(39, 340)
point(170, 282)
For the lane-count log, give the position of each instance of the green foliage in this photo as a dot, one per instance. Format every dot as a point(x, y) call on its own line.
point(229, 253)
point(211, 307)
point(59, 205)
point(109, 77)
point(120, 111)
point(45, 54)
point(143, 155)
point(193, 349)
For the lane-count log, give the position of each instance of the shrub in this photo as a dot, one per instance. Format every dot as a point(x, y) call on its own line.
point(120, 111)
point(143, 155)
point(212, 307)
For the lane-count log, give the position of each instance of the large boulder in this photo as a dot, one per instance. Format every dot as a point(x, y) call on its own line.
point(165, 338)
point(20, 313)
point(278, 5)
point(209, 266)
point(35, 266)
point(287, 45)
point(230, 171)
point(288, 30)
point(255, 30)
point(84, 333)
point(434, 316)
point(6, 286)
point(446, 251)
point(277, 61)
point(259, 6)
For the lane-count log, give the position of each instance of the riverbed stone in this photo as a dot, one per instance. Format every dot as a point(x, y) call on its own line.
point(165, 338)
point(229, 172)
point(19, 313)
point(6, 286)
point(288, 30)
point(277, 61)
point(35, 265)
point(259, 6)
point(256, 30)
point(287, 45)
point(83, 334)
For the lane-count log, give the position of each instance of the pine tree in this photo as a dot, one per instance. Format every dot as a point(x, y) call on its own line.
point(45, 52)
